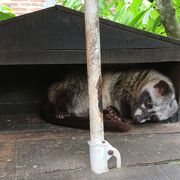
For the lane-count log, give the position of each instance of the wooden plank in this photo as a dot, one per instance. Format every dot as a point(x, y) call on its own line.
point(79, 56)
point(61, 28)
point(71, 152)
point(113, 37)
point(174, 75)
point(156, 172)
point(121, 26)
point(31, 123)
point(49, 30)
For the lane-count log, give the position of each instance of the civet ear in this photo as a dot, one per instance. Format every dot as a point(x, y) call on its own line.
point(162, 88)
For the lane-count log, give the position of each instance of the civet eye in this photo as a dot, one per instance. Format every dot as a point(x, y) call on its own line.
point(148, 104)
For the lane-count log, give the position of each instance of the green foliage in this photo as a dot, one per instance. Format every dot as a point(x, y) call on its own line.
point(177, 7)
point(135, 13)
point(6, 13)
point(74, 4)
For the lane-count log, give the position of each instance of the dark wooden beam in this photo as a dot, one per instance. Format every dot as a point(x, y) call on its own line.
point(14, 57)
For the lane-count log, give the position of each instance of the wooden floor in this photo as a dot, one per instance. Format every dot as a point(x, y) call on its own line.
point(32, 149)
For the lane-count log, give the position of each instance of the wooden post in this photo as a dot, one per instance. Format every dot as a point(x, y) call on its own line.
point(99, 148)
point(94, 70)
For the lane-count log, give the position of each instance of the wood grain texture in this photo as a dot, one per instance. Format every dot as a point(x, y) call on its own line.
point(60, 30)
point(116, 56)
point(63, 155)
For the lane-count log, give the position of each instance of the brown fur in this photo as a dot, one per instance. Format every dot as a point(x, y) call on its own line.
point(121, 92)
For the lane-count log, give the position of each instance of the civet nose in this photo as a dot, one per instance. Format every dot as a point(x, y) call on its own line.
point(138, 119)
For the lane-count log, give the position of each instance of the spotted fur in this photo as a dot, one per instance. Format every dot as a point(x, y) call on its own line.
point(128, 96)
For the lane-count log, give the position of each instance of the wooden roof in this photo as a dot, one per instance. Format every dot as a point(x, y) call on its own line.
point(57, 36)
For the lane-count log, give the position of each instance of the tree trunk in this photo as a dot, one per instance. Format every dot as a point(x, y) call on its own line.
point(169, 18)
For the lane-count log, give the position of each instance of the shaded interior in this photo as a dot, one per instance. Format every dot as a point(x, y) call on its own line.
point(23, 87)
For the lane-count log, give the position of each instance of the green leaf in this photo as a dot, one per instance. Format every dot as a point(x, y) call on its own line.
point(120, 8)
point(4, 16)
point(137, 18)
point(147, 16)
point(156, 24)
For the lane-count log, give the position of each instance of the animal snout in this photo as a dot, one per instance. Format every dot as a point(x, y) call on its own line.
point(154, 118)
point(139, 116)
point(139, 119)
